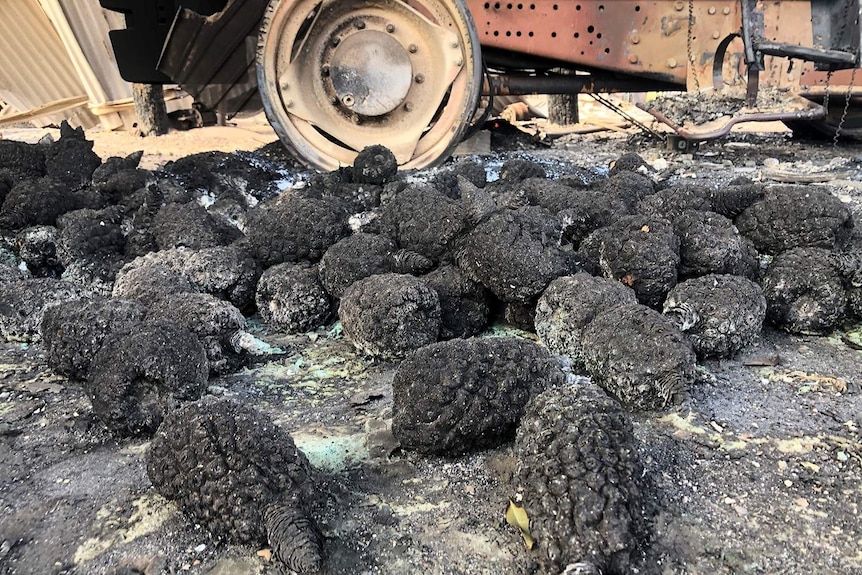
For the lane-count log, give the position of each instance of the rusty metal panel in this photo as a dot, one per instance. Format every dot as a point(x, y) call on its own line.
point(787, 21)
point(35, 69)
point(633, 36)
point(644, 38)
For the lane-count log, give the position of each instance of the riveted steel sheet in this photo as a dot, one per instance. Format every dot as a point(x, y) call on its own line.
point(649, 39)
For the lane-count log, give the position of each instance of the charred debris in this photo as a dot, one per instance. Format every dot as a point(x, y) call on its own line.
point(140, 285)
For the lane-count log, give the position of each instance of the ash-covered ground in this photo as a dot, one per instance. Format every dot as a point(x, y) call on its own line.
point(318, 301)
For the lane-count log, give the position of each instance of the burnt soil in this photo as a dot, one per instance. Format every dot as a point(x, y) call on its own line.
point(759, 472)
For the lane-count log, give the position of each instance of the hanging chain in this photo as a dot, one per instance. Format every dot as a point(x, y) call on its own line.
point(689, 49)
point(847, 97)
point(849, 93)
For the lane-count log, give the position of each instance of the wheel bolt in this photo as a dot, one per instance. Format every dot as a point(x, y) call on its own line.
point(335, 42)
point(325, 71)
point(412, 48)
point(408, 107)
point(390, 28)
point(360, 25)
point(419, 78)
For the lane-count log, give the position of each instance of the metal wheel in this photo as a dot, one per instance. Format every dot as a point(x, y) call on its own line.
point(337, 76)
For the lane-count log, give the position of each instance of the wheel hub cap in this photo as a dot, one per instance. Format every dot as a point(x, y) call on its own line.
point(371, 73)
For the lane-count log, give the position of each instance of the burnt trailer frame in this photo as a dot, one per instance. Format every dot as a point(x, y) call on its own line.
point(808, 48)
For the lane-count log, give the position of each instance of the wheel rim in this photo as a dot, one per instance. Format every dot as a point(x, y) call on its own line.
point(337, 76)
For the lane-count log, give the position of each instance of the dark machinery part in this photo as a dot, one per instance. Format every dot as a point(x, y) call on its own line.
point(139, 46)
point(679, 144)
point(213, 58)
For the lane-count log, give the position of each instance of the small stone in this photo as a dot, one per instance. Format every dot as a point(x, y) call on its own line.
point(659, 164)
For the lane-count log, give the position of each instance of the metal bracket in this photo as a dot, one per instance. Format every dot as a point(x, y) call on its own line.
point(679, 144)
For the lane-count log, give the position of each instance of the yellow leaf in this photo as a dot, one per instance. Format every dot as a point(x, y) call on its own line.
point(517, 518)
point(265, 554)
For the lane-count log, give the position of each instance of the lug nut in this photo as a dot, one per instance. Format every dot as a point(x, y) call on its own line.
point(408, 107)
point(419, 78)
point(360, 25)
point(335, 42)
point(412, 48)
point(390, 28)
point(671, 62)
point(325, 71)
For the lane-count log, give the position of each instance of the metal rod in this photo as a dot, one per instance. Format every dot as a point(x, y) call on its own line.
point(608, 103)
point(524, 84)
point(815, 112)
point(820, 55)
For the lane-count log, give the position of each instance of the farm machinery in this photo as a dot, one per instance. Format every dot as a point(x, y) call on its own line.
point(335, 76)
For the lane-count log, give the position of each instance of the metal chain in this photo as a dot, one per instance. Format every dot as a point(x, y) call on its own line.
point(849, 93)
point(608, 103)
point(689, 50)
point(847, 97)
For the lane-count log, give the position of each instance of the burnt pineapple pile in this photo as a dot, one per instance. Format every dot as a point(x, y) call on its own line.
point(140, 283)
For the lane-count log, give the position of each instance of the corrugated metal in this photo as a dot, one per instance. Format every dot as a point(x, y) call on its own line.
point(90, 24)
point(83, 28)
point(35, 68)
point(56, 51)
